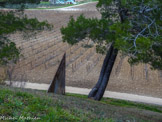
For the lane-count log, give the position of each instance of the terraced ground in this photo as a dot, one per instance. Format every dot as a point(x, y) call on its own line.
point(42, 55)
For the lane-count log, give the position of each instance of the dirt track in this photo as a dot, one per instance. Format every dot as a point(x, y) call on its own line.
point(42, 56)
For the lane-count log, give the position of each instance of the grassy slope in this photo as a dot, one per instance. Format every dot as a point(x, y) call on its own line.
point(124, 103)
point(30, 103)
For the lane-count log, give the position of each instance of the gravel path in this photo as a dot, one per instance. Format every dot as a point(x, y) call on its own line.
point(84, 91)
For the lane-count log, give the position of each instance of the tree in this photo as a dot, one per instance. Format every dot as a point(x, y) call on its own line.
point(132, 27)
point(12, 21)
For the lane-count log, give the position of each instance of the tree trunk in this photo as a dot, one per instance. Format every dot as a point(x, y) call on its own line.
point(99, 89)
point(58, 84)
point(107, 74)
point(95, 89)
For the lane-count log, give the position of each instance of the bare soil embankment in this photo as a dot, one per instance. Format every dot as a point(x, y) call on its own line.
point(41, 57)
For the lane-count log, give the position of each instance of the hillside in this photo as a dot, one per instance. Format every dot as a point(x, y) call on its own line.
point(21, 104)
point(42, 55)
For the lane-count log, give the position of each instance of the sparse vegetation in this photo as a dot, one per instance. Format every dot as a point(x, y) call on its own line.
point(124, 103)
point(49, 107)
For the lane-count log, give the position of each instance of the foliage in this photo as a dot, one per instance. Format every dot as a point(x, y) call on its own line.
point(134, 26)
point(11, 22)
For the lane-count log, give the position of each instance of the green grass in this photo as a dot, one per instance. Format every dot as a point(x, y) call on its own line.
point(21, 103)
point(124, 103)
point(44, 2)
